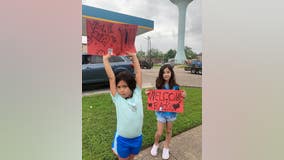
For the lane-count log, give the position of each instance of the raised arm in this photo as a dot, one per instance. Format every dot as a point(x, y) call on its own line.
point(137, 69)
point(110, 74)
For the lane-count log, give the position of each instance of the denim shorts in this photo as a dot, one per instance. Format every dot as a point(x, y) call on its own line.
point(124, 147)
point(166, 116)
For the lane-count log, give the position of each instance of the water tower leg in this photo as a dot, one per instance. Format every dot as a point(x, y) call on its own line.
point(180, 56)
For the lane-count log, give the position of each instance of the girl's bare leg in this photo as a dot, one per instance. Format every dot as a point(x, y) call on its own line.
point(169, 126)
point(159, 132)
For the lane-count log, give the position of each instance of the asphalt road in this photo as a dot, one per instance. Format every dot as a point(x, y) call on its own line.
point(183, 78)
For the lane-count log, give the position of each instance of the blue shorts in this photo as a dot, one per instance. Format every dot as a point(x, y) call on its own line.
point(124, 147)
point(166, 116)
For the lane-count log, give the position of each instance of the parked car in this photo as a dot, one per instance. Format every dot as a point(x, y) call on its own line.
point(171, 62)
point(145, 64)
point(195, 67)
point(93, 70)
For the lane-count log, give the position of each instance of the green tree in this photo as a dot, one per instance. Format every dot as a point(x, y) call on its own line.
point(170, 54)
point(141, 54)
point(156, 53)
point(189, 54)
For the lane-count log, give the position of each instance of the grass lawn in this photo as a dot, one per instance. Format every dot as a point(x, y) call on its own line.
point(99, 122)
point(156, 66)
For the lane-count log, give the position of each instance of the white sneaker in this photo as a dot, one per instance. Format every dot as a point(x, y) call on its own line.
point(154, 150)
point(166, 153)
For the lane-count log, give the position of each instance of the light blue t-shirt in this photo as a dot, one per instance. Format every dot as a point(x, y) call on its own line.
point(129, 114)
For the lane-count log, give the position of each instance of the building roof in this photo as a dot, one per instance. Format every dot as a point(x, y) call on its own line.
point(144, 25)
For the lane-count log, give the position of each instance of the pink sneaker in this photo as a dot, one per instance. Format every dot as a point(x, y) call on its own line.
point(166, 153)
point(154, 150)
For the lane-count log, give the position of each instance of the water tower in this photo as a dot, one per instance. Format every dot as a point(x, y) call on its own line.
point(182, 5)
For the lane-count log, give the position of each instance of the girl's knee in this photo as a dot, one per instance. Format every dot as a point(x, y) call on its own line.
point(169, 131)
point(159, 134)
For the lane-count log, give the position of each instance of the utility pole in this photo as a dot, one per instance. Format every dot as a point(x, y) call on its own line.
point(149, 47)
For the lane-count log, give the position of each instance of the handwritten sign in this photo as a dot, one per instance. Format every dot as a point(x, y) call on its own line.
point(165, 100)
point(103, 37)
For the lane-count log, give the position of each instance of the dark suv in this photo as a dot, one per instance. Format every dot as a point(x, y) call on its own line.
point(93, 70)
point(145, 64)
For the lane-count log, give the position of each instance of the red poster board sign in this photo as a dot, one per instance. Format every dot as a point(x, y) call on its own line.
point(103, 37)
point(165, 100)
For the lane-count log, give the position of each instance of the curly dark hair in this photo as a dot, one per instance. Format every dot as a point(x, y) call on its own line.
point(127, 77)
point(160, 82)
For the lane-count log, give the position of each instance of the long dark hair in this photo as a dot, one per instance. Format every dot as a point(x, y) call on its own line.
point(160, 82)
point(127, 77)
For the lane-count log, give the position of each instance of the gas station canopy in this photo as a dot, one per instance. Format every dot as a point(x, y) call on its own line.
point(144, 25)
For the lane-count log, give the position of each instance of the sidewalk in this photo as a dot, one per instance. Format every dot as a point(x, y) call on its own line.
point(185, 146)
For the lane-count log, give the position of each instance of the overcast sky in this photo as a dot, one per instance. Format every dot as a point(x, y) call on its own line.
point(165, 17)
